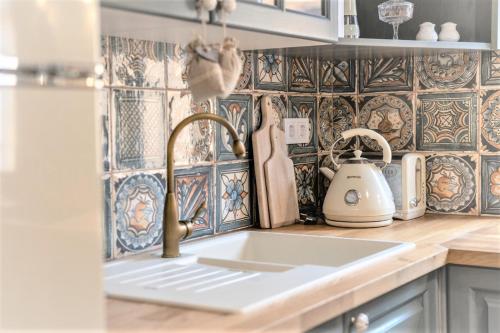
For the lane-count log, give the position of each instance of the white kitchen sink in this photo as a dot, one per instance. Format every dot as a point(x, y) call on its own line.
point(241, 271)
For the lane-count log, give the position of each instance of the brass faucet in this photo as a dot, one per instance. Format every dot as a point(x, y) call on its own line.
point(173, 229)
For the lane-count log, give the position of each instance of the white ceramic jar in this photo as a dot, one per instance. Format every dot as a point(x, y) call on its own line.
point(427, 32)
point(449, 32)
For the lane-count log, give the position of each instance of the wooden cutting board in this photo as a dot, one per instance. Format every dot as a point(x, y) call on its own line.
point(280, 182)
point(261, 147)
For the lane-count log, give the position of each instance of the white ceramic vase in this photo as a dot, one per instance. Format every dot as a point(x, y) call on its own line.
point(427, 32)
point(449, 32)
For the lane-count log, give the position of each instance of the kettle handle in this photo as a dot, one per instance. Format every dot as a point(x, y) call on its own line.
point(387, 153)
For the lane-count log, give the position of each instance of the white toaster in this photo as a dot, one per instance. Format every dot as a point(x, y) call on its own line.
point(407, 179)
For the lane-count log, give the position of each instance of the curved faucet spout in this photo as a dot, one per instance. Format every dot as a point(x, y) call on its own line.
point(173, 229)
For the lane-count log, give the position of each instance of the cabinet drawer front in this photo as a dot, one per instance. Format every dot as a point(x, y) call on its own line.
point(473, 299)
point(414, 307)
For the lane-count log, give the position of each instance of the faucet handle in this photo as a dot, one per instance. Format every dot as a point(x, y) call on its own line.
point(200, 212)
point(189, 224)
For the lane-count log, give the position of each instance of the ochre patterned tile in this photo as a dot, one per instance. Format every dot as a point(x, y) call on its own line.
point(193, 187)
point(447, 122)
point(490, 187)
point(138, 208)
point(337, 76)
point(195, 143)
point(447, 70)
point(302, 74)
point(490, 121)
point(386, 74)
point(139, 119)
point(304, 107)
point(391, 116)
point(451, 184)
point(490, 68)
point(234, 203)
point(237, 109)
point(270, 71)
point(137, 63)
point(336, 115)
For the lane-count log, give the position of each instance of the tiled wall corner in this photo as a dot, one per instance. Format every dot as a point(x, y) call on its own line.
point(144, 98)
point(446, 106)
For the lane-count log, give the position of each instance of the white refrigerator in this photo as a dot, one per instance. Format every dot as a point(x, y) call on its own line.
point(50, 190)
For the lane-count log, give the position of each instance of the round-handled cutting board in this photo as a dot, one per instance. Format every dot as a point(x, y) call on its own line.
point(280, 182)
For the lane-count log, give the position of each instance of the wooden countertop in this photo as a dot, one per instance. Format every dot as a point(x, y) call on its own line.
point(439, 239)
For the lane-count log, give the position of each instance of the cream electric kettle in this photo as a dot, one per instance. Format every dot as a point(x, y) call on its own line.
point(358, 196)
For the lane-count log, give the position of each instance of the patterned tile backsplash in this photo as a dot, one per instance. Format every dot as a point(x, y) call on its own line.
point(446, 106)
point(392, 116)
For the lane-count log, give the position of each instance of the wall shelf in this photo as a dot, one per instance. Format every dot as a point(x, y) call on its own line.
point(411, 44)
point(367, 47)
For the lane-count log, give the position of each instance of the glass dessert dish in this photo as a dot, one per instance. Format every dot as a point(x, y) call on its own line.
point(395, 12)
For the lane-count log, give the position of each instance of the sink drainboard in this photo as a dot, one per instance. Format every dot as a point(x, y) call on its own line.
point(196, 278)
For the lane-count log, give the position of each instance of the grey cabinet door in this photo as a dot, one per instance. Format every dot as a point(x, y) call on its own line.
point(278, 17)
point(179, 9)
point(473, 299)
point(290, 18)
point(415, 307)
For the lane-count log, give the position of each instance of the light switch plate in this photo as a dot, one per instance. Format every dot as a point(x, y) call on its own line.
point(297, 130)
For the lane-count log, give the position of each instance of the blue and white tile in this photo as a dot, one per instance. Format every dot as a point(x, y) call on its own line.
point(104, 53)
point(270, 70)
point(193, 187)
point(304, 107)
point(447, 122)
point(137, 63)
point(177, 66)
point(195, 143)
point(138, 211)
point(234, 198)
point(108, 224)
point(302, 74)
point(306, 177)
point(103, 107)
point(237, 109)
point(490, 187)
point(337, 75)
point(386, 74)
point(139, 119)
point(490, 121)
point(245, 81)
point(451, 184)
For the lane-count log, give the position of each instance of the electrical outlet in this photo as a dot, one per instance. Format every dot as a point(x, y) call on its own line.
point(297, 130)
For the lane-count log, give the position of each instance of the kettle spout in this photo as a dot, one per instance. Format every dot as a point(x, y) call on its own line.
point(327, 172)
